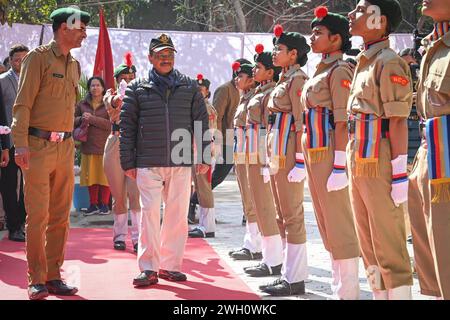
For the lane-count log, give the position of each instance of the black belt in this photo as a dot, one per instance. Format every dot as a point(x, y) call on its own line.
point(384, 127)
point(115, 127)
point(53, 136)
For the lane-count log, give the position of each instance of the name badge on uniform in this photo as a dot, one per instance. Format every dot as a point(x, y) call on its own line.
point(57, 75)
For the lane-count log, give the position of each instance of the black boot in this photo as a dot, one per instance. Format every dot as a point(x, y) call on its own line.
point(191, 213)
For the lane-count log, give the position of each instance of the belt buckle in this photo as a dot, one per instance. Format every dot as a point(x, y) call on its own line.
point(56, 136)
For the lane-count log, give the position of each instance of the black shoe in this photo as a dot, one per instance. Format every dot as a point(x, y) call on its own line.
point(198, 233)
point(284, 288)
point(274, 283)
point(145, 278)
point(172, 275)
point(263, 270)
point(93, 209)
point(37, 292)
point(135, 247)
point(191, 213)
point(59, 288)
point(17, 235)
point(120, 245)
point(245, 254)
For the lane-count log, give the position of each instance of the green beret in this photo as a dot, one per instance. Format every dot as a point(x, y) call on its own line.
point(201, 81)
point(124, 69)
point(293, 40)
point(392, 10)
point(243, 68)
point(63, 14)
point(265, 58)
point(336, 23)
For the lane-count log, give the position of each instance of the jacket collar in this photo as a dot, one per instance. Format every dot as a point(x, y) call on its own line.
point(371, 49)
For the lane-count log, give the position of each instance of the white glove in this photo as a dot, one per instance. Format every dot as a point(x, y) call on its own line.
point(122, 87)
point(4, 130)
point(266, 174)
point(338, 178)
point(298, 173)
point(399, 193)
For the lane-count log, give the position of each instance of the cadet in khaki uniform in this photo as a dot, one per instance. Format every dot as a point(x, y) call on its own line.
point(207, 217)
point(324, 99)
point(379, 103)
point(251, 248)
point(123, 189)
point(286, 159)
point(266, 74)
point(429, 188)
point(43, 117)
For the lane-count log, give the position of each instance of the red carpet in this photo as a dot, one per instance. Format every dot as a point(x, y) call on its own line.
point(100, 272)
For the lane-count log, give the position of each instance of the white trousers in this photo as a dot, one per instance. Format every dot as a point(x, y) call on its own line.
point(161, 246)
point(345, 284)
point(120, 229)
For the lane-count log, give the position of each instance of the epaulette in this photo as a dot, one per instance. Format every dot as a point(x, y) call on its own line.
point(43, 48)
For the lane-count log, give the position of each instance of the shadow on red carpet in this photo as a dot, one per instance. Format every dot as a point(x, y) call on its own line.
point(102, 273)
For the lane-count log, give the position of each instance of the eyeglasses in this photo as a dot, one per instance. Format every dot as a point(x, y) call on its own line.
point(160, 56)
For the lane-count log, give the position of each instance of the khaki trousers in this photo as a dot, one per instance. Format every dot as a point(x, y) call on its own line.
point(242, 178)
point(430, 226)
point(263, 202)
point(162, 246)
point(203, 189)
point(119, 184)
point(333, 210)
point(289, 199)
point(380, 224)
point(48, 190)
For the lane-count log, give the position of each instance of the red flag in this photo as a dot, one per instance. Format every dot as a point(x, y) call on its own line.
point(104, 65)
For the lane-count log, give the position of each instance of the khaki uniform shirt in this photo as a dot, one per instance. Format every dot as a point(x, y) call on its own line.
point(225, 101)
point(330, 87)
point(382, 83)
point(240, 117)
point(257, 112)
point(286, 95)
point(433, 88)
point(47, 93)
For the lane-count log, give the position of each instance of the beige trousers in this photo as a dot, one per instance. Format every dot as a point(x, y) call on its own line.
point(380, 224)
point(242, 178)
point(48, 190)
point(430, 226)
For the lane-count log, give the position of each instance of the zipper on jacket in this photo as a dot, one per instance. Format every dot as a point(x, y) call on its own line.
point(168, 128)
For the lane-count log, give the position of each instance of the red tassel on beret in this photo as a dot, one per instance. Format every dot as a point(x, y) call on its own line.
point(321, 12)
point(259, 48)
point(236, 66)
point(199, 76)
point(278, 30)
point(128, 59)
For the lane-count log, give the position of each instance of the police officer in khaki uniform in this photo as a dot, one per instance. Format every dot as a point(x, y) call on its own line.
point(123, 189)
point(43, 117)
point(266, 74)
point(429, 188)
point(379, 103)
point(287, 170)
point(251, 248)
point(324, 99)
point(207, 218)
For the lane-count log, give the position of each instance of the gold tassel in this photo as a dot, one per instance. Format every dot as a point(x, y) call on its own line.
point(441, 191)
point(367, 168)
point(252, 158)
point(239, 158)
point(278, 162)
point(317, 155)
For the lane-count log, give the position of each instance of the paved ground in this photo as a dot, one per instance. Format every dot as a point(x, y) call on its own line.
point(230, 233)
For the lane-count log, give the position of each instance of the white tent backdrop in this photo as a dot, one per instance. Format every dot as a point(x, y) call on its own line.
point(208, 53)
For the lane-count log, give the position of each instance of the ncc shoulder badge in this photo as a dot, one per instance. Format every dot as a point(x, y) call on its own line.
point(399, 80)
point(346, 84)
